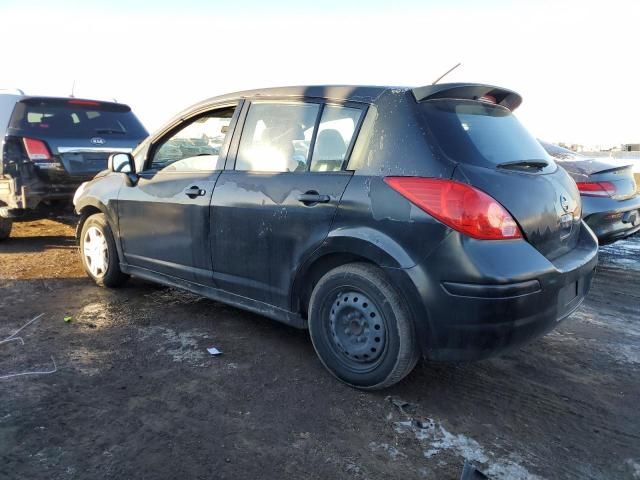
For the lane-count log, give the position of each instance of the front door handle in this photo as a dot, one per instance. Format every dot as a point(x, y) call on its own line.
point(194, 192)
point(313, 197)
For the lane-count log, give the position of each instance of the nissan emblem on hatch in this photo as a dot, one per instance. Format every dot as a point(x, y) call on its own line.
point(98, 141)
point(564, 203)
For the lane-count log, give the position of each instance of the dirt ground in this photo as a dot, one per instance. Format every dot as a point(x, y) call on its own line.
point(136, 395)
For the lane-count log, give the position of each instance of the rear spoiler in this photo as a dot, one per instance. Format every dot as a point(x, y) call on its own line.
point(468, 91)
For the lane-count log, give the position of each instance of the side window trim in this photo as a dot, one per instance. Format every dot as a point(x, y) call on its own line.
point(183, 122)
point(312, 144)
point(230, 163)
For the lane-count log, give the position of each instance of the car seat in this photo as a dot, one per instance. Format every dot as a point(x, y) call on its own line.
point(329, 151)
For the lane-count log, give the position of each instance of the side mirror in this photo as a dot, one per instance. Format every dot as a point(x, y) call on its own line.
point(123, 163)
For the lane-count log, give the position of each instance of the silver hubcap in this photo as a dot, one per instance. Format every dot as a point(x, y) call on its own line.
point(96, 254)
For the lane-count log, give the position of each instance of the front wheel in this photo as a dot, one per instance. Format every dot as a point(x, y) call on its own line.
point(98, 252)
point(361, 328)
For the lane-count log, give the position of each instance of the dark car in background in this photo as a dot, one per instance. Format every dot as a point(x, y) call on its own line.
point(610, 197)
point(51, 145)
point(393, 223)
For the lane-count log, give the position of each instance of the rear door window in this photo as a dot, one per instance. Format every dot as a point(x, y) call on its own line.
point(74, 119)
point(335, 133)
point(276, 137)
point(480, 133)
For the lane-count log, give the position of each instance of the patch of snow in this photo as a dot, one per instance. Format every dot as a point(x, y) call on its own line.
point(625, 253)
point(626, 353)
point(438, 439)
point(181, 346)
point(634, 468)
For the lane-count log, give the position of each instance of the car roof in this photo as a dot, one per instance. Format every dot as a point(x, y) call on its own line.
point(356, 93)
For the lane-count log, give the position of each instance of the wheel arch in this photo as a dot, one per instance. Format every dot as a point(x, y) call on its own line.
point(91, 206)
point(85, 210)
point(341, 248)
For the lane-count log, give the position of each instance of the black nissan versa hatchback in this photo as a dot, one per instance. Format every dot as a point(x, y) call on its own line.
point(393, 223)
point(51, 145)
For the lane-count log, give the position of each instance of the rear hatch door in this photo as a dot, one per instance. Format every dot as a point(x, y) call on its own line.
point(79, 134)
point(497, 155)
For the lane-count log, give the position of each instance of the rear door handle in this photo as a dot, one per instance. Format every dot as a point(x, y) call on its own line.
point(194, 192)
point(311, 198)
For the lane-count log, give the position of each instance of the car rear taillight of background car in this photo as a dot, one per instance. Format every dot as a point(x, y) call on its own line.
point(597, 189)
point(86, 103)
point(37, 150)
point(460, 206)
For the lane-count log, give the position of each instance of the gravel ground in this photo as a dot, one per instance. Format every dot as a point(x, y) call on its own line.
point(136, 395)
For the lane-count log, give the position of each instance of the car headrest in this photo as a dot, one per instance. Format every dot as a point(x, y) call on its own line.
point(329, 146)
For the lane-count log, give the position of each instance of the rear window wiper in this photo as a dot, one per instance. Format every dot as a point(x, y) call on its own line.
point(525, 165)
point(110, 130)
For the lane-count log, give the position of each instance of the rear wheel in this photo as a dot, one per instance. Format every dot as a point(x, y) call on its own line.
point(361, 328)
point(5, 227)
point(98, 252)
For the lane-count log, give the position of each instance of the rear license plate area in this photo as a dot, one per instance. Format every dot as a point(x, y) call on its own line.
point(566, 225)
point(632, 217)
point(568, 295)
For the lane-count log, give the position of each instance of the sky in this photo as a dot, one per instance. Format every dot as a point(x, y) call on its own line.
point(576, 63)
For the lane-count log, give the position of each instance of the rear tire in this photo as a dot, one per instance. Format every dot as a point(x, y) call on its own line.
point(5, 228)
point(361, 328)
point(98, 252)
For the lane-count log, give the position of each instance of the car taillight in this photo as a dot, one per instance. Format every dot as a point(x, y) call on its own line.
point(596, 189)
point(460, 206)
point(488, 99)
point(37, 150)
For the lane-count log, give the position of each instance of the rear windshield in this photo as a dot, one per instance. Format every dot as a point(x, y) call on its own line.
point(75, 118)
point(480, 133)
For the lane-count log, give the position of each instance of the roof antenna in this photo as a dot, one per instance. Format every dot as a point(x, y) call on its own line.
point(73, 87)
point(447, 73)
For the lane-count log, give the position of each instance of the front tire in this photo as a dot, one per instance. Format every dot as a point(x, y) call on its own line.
point(99, 254)
point(361, 328)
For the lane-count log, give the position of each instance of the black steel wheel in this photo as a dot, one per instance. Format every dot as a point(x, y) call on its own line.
point(361, 328)
point(357, 328)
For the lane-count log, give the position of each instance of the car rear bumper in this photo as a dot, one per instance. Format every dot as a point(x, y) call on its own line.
point(610, 219)
point(24, 202)
point(485, 298)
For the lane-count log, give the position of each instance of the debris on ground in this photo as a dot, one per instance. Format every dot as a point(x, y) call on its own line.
point(405, 408)
point(12, 338)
